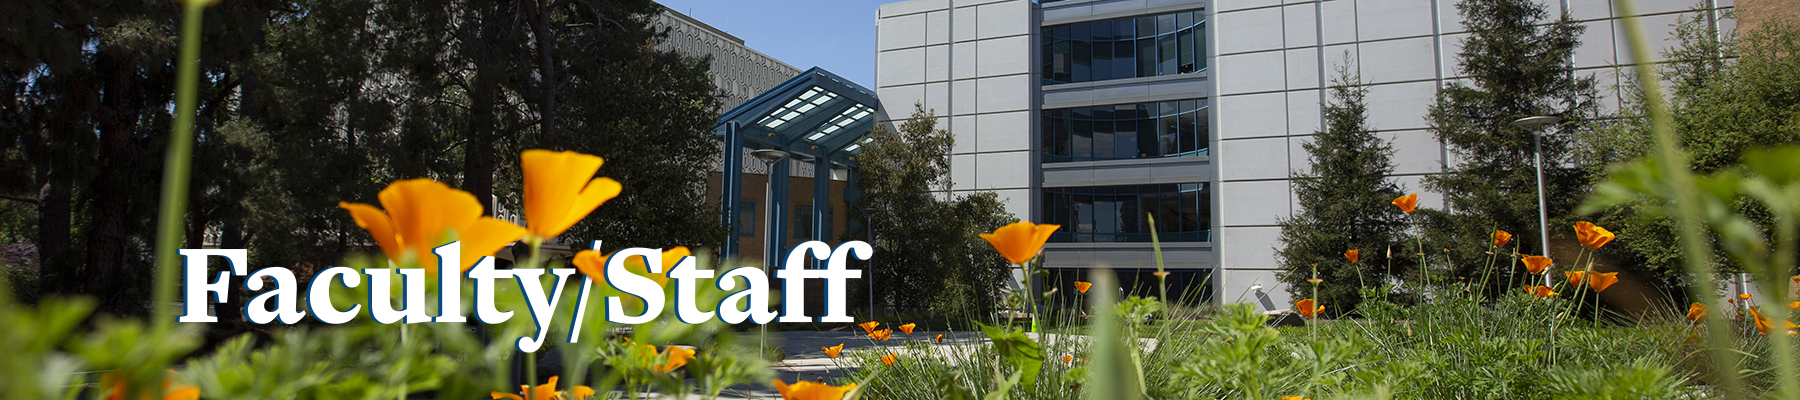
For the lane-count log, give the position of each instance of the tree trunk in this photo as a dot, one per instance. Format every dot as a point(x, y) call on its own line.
point(478, 167)
point(106, 235)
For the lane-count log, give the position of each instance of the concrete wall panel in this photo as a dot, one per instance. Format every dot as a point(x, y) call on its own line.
point(1398, 60)
point(1250, 73)
point(1400, 105)
point(1254, 115)
point(1249, 31)
point(1388, 19)
point(1003, 132)
point(1253, 159)
point(1254, 203)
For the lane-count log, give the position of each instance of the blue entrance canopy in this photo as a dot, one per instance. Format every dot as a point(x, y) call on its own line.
point(817, 117)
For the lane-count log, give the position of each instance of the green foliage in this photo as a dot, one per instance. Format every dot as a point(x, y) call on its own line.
point(931, 253)
point(1517, 66)
point(1019, 350)
point(1728, 97)
point(1344, 204)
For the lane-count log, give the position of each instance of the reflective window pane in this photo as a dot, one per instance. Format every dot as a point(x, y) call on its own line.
point(1182, 213)
point(1126, 131)
point(1144, 46)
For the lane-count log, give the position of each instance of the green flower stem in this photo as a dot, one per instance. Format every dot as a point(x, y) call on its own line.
point(1674, 164)
point(176, 164)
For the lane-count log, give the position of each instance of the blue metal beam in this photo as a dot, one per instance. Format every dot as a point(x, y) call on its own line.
point(775, 242)
point(732, 192)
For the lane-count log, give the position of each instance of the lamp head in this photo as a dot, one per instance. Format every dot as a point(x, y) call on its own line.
point(1537, 122)
point(769, 155)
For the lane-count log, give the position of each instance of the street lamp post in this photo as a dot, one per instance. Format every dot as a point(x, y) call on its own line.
point(769, 157)
point(1535, 125)
point(869, 225)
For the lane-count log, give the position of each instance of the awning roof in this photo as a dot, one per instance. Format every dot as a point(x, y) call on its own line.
point(816, 115)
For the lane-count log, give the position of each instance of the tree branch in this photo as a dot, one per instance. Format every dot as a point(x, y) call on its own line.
point(20, 199)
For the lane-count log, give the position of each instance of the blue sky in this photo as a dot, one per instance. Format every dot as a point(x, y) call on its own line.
point(838, 35)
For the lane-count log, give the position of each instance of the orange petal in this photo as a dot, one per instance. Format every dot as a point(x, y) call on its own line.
point(1536, 264)
point(1576, 278)
point(187, 393)
point(379, 226)
point(1407, 203)
point(678, 357)
point(907, 328)
point(424, 211)
point(1696, 311)
point(1082, 287)
point(592, 264)
point(554, 181)
point(1018, 242)
point(1601, 281)
point(581, 392)
point(673, 256)
point(499, 395)
point(1353, 255)
point(1306, 308)
point(486, 236)
point(1501, 238)
point(804, 390)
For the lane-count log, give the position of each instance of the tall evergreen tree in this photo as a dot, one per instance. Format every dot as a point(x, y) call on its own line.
point(929, 252)
point(1516, 64)
point(1344, 200)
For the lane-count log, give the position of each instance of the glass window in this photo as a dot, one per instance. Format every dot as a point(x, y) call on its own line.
point(1126, 131)
point(1182, 213)
point(1126, 48)
point(803, 222)
point(746, 219)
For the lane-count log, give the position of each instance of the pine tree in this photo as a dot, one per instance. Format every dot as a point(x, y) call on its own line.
point(1516, 65)
point(1343, 205)
point(930, 254)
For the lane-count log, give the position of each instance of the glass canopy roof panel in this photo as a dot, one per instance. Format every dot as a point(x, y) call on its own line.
point(806, 104)
point(850, 116)
point(815, 114)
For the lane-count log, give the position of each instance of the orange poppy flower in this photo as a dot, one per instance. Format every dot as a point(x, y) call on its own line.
point(1407, 203)
point(116, 389)
point(1695, 312)
point(940, 338)
point(1576, 278)
point(1068, 359)
point(1082, 287)
point(545, 391)
point(1536, 264)
point(560, 189)
point(1540, 291)
point(1353, 255)
point(422, 214)
point(1592, 236)
point(890, 359)
point(1745, 296)
point(1501, 238)
point(1307, 309)
point(833, 351)
point(1762, 323)
point(907, 328)
point(593, 264)
point(1293, 398)
point(804, 390)
point(1796, 279)
point(869, 327)
point(678, 357)
point(882, 335)
point(1020, 241)
point(1602, 280)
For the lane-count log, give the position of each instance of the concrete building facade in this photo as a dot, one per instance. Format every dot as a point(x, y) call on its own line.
point(1058, 108)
